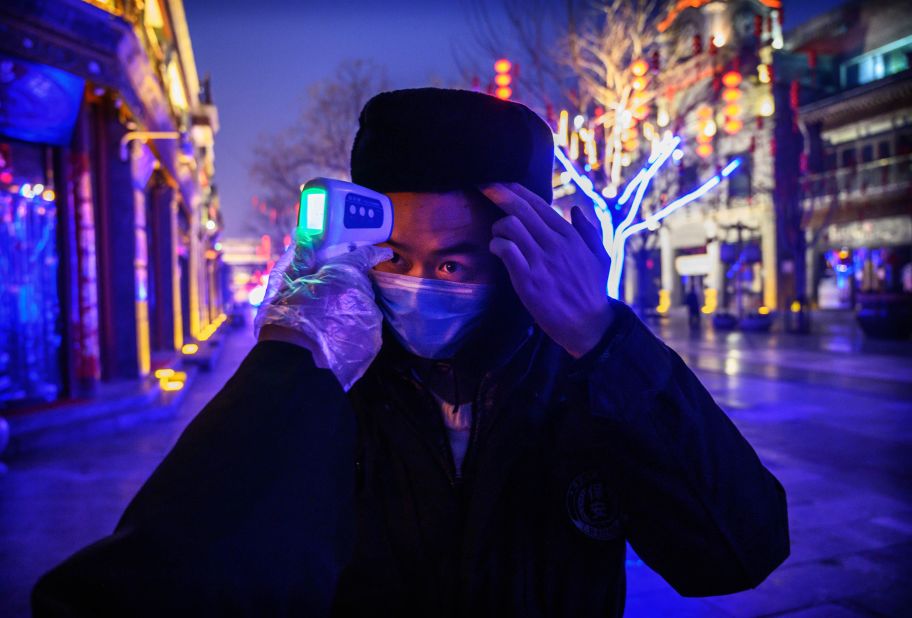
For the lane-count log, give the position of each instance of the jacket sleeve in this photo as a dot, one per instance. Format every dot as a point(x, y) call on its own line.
point(251, 513)
point(698, 505)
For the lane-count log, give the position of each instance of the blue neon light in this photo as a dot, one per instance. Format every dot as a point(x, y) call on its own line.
point(731, 167)
point(614, 239)
point(585, 185)
point(629, 189)
point(648, 174)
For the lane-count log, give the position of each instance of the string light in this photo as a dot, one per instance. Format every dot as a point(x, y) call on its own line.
point(732, 79)
point(766, 107)
point(562, 128)
point(732, 109)
point(733, 125)
point(639, 67)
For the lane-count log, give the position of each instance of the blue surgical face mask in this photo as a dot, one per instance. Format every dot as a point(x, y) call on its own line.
point(431, 317)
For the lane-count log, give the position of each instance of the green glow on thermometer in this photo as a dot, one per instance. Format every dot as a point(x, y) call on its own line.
point(312, 214)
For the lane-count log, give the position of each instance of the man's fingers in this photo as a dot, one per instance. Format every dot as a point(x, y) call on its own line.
point(553, 219)
point(590, 234)
point(513, 259)
point(511, 228)
point(512, 204)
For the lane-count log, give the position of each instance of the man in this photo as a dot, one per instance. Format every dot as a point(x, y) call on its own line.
point(514, 431)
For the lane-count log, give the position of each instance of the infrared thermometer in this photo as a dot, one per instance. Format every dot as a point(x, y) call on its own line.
point(338, 216)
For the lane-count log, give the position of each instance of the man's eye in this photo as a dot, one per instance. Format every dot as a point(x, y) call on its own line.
point(450, 267)
point(395, 259)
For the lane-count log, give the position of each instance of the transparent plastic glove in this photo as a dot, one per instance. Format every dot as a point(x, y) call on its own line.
point(331, 304)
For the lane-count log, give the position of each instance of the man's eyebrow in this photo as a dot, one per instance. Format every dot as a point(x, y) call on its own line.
point(396, 245)
point(465, 246)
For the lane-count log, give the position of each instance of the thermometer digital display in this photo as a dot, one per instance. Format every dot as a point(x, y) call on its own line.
point(338, 216)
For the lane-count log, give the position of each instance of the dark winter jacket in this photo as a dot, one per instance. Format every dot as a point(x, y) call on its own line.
point(268, 507)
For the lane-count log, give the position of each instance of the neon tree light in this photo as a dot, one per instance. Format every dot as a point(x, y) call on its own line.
point(614, 239)
point(617, 256)
point(585, 185)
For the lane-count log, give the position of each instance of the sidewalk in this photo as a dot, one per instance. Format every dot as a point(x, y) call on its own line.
point(837, 354)
point(114, 406)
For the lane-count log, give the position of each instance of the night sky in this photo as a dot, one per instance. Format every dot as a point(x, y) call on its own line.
point(263, 55)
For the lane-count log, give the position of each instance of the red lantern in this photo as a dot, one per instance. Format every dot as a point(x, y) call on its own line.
point(503, 78)
point(733, 125)
point(732, 79)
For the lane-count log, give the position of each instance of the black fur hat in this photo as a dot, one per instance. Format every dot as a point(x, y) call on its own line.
point(435, 140)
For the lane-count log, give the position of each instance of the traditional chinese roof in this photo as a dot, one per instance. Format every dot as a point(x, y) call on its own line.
point(886, 94)
point(682, 5)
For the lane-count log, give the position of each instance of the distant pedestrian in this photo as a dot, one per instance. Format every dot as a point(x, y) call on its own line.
point(693, 309)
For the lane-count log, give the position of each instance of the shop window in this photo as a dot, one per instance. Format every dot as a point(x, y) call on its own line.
point(851, 76)
point(904, 144)
point(30, 334)
point(883, 150)
point(877, 64)
point(847, 157)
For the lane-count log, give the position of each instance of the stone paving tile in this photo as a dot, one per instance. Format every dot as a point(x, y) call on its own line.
point(658, 604)
point(795, 586)
point(894, 601)
point(828, 610)
point(855, 537)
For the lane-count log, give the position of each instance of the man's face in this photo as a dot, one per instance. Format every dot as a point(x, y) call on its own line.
point(443, 236)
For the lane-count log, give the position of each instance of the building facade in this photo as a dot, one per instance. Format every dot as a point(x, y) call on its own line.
point(723, 246)
point(854, 92)
point(711, 83)
point(109, 218)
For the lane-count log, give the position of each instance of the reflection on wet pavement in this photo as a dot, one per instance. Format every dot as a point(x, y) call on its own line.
point(828, 414)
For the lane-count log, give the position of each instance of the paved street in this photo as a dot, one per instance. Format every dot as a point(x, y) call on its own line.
point(828, 414)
